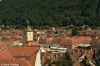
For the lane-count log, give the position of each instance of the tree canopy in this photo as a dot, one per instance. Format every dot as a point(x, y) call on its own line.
point(56, 13)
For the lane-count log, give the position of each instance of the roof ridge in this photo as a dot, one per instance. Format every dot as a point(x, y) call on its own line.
point(34, 53)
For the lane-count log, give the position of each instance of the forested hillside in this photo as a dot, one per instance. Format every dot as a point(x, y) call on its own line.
point(50, 12)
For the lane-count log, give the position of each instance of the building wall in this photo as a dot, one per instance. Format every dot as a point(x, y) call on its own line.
point(38, 59)
point(51, 45)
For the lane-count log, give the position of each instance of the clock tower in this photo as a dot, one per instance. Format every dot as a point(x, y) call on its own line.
point(28, 33)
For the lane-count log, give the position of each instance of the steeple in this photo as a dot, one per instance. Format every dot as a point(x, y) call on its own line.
point(28, 26)
point(28, 33)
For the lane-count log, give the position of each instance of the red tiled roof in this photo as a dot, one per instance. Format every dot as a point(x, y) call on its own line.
point(56, 41)
point(17, 37)
point(65, 41)
point(76, 40)
point(17, 62)
point(4, 43)
point(23, 51)
point(5, 54)
point(32, 43)
point(49, 40)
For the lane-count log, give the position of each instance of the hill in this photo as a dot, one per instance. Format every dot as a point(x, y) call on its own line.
point(50, 12)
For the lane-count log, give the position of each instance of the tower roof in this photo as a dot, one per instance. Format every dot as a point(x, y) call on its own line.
point(29, 28)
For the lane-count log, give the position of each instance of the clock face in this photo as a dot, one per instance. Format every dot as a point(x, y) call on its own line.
point(29, 36)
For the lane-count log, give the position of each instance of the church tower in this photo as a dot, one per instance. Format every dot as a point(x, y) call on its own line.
point(28, 33)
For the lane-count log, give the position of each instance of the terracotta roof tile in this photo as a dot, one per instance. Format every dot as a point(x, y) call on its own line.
point(5, 54)
point(76, 40)
point(17, 62)
point(23, 51)
point(49, 41)
point(17, 37)
point(5, 43)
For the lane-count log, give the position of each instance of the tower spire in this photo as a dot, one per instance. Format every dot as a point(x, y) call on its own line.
point(28, 26)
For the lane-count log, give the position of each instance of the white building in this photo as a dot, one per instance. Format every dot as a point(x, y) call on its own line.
point(58, 50)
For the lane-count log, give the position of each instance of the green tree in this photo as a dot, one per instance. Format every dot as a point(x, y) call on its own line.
point(56, 13)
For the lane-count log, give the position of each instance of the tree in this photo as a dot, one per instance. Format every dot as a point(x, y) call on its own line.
point(74, 32)
point(64, 61)
point(54, 13)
